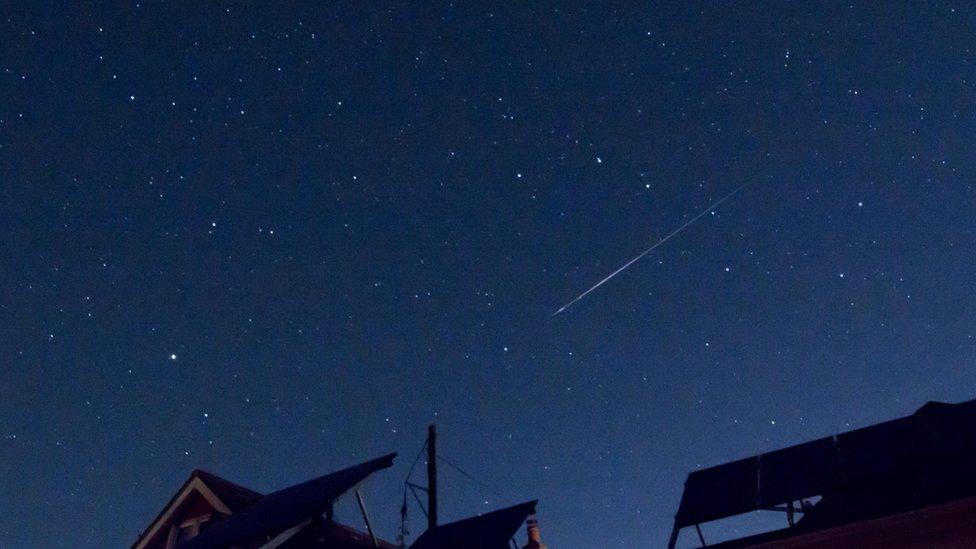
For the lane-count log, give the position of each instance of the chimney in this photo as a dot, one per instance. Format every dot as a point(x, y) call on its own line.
point(535, 541)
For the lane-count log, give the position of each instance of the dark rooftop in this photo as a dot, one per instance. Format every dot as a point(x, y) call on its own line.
point(488, 531)
point(285, 508)
point(923, 459)
point(235, 496)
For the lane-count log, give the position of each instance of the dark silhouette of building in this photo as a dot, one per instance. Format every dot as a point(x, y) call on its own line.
point(208, 512)
point(493, 530)
point(910, 482)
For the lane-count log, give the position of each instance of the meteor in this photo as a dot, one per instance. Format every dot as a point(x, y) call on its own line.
point(649, 250)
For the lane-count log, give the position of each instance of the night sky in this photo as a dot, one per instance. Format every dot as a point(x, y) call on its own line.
point(275, 241)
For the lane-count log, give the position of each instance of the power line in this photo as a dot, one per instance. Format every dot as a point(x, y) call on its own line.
point(469, 476)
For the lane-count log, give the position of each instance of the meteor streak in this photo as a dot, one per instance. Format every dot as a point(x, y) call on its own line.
point(649, 250)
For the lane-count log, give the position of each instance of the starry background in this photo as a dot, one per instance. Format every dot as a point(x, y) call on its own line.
point(272, 241)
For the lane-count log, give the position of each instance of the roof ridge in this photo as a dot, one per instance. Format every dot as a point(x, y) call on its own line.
point(208, 476)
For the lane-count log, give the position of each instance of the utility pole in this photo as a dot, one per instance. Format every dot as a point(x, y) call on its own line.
point(431, 477)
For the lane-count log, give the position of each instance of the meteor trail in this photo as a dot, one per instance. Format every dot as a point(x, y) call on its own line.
point(649, 250)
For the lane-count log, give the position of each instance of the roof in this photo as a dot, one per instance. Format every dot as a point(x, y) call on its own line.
point(871, 471)
point(342, 534)
point(235, 496)
point(232, 497)
point(334, 536)
point(488, 531)
point(286, 508)
point(944, 525)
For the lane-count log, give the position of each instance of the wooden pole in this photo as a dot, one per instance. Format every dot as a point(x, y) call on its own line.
point(431, 477)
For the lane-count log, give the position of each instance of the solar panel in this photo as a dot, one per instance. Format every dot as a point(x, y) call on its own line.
point(934, 440)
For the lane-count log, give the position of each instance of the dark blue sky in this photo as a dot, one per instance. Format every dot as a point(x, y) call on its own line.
point(274, 241)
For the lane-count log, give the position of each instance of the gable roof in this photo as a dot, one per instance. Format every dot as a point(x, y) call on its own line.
point(235, 496)
point(488, 531)
point(286, 508)
point(223, 495)
point(935, 446)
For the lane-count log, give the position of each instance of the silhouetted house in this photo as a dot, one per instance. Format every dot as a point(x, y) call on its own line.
point(910, 482)
point(493, 530)
point(209, 512)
